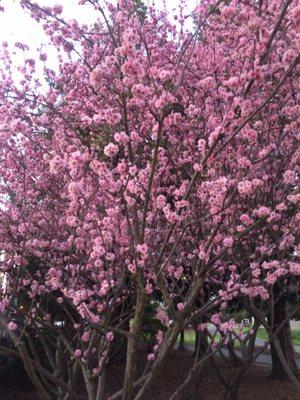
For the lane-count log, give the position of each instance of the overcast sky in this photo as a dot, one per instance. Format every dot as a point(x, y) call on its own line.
point(16, 25)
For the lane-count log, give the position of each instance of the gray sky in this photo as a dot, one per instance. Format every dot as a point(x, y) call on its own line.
point(16, 25)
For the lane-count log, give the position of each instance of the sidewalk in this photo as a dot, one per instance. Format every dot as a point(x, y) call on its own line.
point(261, 342)
point(261, 359)
point(258, 342)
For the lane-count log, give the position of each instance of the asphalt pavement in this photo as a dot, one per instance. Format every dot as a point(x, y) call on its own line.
point(261, 359)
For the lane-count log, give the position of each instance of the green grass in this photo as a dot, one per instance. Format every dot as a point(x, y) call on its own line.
point(262, 334)
point(189, 337)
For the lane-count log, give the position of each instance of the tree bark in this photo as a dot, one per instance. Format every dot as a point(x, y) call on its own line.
point(285, 340)
point(119, 345)
point(101, 386)
point(232, 388)
point(133, 343)
point(203, 341)
point(181, 341)
point(89, 384)
point(235, 360)
point(167, 345)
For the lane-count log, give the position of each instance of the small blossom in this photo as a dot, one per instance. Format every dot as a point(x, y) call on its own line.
point(245, 187)
point(111, 150)
point(86, 337)
point(202, 327)
point(149, 288)
point(109, 336)
point(289, 177)
point(228, 241)
point(215, 319)
point(12, 326)
point(78, 353)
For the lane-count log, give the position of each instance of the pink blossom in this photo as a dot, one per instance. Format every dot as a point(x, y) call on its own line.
point(215, 319)
point(140, 91)
point(163, 317)
point(86, 336)
point(111, 150)
point(12, 326)
point(228, 241)
point(233, 81)
point(109, 336)
point(289, 177)
point(245, 187)
point(143, 250)
point(149, 288)
point(262, 211)
point(202, 327)
point(133, 68)
point(294, 268)
point(246, 220)
point(43, 56)
point(78, 353)
point(201, 146)
point(165, 75)
point(161, 202)
point(121, 137)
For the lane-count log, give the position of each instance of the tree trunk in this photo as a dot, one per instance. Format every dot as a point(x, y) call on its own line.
point(232, 393)
point(201, 343)
point(119, 345)
point(181, 341)
point(235, 360)
point(197, 339)
point(89, 384)
point(101, 386)
point(133, 343)
point(285, 340)
point(189, 387)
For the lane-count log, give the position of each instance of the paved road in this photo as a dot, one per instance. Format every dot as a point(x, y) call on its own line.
point(261, 359)
point(260, 342)
point(295, 325)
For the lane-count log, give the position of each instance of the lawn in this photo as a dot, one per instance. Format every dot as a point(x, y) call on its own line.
point(189, 338)
point(262, 334)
